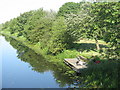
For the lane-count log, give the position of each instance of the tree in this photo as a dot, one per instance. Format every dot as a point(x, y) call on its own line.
point(83, 24)
point(110, 23)
point(69, 7)
point(57, 42)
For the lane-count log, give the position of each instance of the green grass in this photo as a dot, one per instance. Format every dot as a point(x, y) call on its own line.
point(89, 53)
point(92, 41)
point(87, 47)
point(80, 46)
point(68, 54)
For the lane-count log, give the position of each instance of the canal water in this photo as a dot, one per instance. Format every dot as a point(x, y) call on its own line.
point(23, 68)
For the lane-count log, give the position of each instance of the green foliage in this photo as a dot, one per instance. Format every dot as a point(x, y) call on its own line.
point(56, 35)
point(108, 17)
point(101, 75)
point(91, 20)
point(68, 54)
point(41, 32)
point(69, 8)
point(57, 41)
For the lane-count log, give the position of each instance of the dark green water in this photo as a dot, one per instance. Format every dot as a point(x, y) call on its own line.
point(23, 68)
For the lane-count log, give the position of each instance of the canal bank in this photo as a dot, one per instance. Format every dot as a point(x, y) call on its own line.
point(29, 70)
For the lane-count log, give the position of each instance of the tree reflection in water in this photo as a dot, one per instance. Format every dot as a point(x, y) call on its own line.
point(41, 65)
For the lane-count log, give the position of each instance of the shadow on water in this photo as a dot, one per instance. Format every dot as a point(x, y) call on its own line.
point(86, 46)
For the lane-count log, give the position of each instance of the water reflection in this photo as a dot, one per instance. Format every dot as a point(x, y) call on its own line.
point(40, 65)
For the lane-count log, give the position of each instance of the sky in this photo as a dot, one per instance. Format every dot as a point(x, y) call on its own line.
point(12, 8)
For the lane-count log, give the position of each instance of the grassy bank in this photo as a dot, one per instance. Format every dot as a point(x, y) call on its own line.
point(84, 48)
point(97, 75)
point(58, 60)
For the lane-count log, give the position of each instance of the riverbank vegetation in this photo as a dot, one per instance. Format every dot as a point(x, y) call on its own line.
point(87, 29)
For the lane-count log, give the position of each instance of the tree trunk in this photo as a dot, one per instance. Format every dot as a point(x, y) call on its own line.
point(97, 44)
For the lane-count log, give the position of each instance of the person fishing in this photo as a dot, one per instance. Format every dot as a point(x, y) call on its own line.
point(79, 62)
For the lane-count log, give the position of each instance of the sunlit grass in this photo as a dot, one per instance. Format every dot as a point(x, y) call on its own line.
point(89, 53)
point(91, 41)
point(68, 54)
